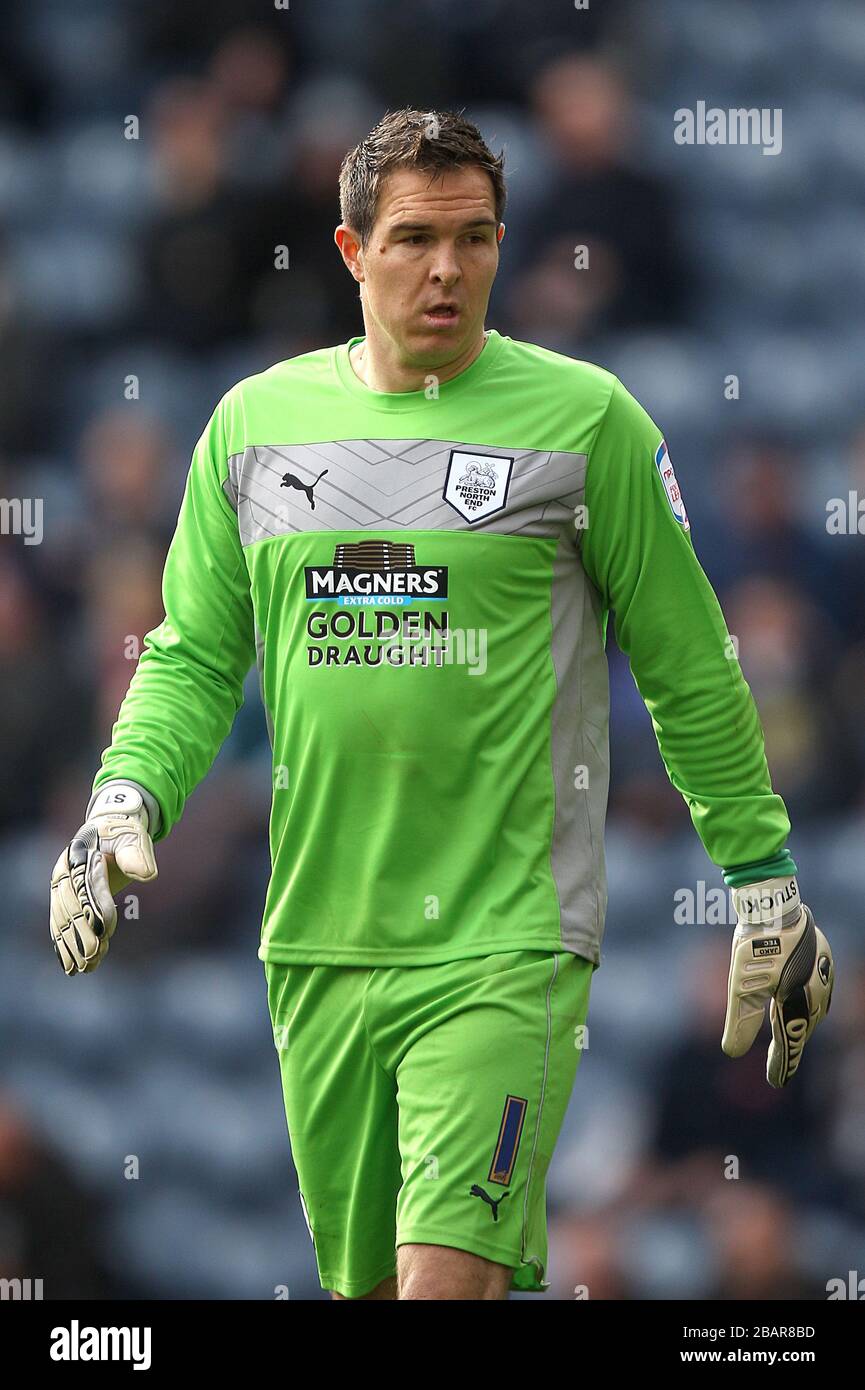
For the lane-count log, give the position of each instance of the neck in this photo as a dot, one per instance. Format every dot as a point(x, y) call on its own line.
point(383, 371)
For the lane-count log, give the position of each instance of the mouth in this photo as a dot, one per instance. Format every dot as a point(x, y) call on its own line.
point(442, 315)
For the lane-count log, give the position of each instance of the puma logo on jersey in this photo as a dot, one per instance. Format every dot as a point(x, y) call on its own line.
point(477, 1191)
point(291, 480)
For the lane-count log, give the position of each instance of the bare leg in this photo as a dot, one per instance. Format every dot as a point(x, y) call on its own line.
point(441, 1272)
point(386, 1289)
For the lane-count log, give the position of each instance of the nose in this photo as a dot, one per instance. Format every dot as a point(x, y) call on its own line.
point(446, 268)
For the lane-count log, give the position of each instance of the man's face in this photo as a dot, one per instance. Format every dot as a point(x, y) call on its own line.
point(428, 268)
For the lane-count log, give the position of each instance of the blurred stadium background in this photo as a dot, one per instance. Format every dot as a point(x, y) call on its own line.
point(152, 258)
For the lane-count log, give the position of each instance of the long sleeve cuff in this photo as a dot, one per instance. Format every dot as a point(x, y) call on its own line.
point(780, 865)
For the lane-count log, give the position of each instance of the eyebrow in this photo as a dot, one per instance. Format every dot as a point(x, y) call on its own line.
point(428, 226)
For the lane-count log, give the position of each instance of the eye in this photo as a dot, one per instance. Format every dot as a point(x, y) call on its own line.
point(416, 237)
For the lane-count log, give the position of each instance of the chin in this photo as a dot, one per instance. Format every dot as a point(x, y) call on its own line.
point(439, 342)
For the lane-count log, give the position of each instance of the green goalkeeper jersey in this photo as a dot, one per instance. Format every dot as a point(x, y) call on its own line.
point(424, 579)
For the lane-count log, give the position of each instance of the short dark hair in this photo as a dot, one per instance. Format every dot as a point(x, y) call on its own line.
point(411, 139)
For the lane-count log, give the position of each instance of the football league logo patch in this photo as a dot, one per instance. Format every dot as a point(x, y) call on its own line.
point(668, 478)
point(477, 484)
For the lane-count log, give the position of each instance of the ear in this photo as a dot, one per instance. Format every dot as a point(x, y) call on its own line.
point(350, 249)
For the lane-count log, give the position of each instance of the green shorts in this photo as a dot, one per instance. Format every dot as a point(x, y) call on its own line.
point(424, 1102)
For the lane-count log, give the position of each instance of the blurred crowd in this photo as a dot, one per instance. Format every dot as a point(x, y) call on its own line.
point(152, 157)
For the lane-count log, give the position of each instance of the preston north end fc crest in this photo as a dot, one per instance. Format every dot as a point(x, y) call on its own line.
point(477, 484)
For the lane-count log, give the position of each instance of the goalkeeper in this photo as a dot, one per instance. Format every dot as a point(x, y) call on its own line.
point(356, 520)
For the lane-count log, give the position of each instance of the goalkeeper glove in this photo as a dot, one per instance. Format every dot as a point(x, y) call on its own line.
point(112, 847)
point(779, 955)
